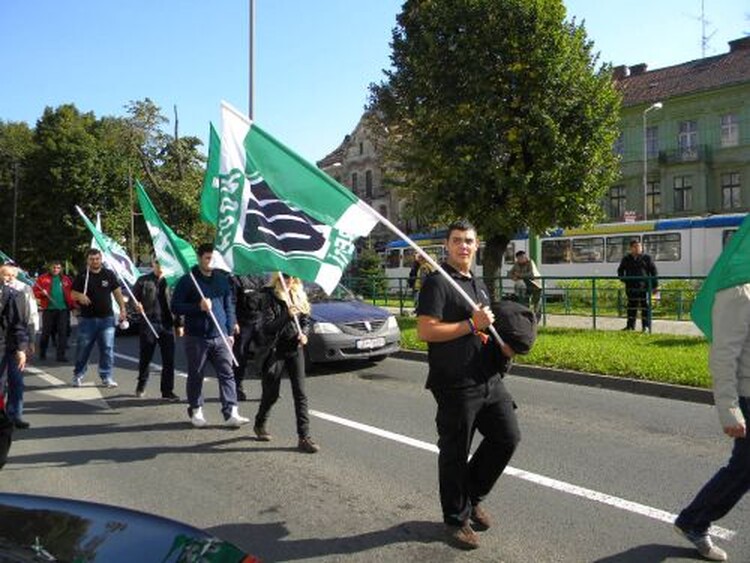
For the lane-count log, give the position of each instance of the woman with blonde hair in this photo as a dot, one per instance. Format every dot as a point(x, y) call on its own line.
point(284, 341)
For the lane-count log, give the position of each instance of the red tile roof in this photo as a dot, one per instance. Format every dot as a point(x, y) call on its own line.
point(687, 78)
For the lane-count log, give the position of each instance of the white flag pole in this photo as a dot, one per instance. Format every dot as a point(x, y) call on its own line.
point(430, 260)
point(214, 319)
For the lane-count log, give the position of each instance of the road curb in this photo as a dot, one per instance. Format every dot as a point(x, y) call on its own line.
point(635, 386)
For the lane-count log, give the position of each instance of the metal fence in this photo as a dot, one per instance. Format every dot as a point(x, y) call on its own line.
point(590, 296)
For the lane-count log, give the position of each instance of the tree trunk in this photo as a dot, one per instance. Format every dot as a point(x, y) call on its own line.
point(492, 261)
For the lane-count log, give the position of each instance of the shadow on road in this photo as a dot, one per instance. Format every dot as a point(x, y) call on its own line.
point(267, 542)
point(653, 553)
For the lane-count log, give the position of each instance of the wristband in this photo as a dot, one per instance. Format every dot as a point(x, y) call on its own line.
point(472, 326)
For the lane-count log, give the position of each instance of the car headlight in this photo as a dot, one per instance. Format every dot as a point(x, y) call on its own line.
point(391, 323)
point(325, 328)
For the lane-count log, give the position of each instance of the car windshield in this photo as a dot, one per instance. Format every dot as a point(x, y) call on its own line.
point(316, 294)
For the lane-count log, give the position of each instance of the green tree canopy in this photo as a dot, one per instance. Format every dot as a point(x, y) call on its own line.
point(495, 110)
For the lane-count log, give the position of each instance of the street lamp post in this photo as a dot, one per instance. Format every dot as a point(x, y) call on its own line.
point(657, 105)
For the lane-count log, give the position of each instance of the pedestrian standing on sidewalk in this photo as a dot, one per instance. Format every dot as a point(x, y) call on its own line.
point(638, 272)
point(729, 363)
point(468, 390)
point(53, 292)
point(93, 289)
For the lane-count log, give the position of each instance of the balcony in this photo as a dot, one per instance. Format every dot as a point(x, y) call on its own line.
point(697, 153)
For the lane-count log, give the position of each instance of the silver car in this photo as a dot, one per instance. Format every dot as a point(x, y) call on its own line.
point(346, 328)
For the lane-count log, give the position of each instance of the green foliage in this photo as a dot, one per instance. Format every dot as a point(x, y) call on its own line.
point(681, 360)
point(73, 158)
point(495, 111)
point(367, 275)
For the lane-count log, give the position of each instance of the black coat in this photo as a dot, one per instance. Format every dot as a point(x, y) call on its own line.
point(641, 266)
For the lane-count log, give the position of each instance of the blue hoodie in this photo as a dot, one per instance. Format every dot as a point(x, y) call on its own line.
point(186, 301)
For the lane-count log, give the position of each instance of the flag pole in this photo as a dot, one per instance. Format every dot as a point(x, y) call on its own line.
point(215, 320)
point(430, 260)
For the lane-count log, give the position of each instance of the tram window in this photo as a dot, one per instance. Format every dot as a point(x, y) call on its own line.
point(663, 248)
point(510, 253)
point(726, 236)
point(588, 249)
point(617, 247)
point(393, 258)
point(436, 252)
point(556, 251)
point(407, 257)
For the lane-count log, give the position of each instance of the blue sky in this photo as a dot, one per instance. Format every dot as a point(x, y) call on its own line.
point(313, 58)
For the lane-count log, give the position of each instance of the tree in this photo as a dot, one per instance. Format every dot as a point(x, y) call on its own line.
point(495, 110)
point(16, 142)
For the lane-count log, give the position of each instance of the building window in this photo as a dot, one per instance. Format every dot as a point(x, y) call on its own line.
point(368, 183)
point(616, 202)
point(653, 198)
point(361, 147)
point(619, 147)
point(730, 130)
point(355, 182)
point(687, 140)
point(652, 141)
point(730, 191)
point(683, 193)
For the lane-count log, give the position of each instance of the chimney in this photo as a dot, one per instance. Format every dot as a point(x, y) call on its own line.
point(620, 72)
point(638, 69)
point(741, 44)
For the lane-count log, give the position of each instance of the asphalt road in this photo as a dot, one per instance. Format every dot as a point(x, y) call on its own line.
point(597, 476)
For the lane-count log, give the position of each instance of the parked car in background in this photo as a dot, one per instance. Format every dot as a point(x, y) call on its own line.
point(39, 528)
point(346, 328)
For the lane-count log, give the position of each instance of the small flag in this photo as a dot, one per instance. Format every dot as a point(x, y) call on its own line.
point(113, 254)
point(275, 211)
point(730, 269)
point(23, 275)
point(174, 254)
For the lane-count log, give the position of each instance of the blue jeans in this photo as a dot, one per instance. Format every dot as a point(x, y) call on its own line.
point(14, 385)
point(91, 331)
point(725, 489)
point(198, 351)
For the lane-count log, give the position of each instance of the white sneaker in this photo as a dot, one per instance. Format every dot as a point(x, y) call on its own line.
point(198, 420)
point(235, 420)
point(77, 381)
point(109, 383)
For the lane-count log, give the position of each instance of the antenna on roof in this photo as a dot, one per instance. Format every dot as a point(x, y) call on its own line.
point(704, 22)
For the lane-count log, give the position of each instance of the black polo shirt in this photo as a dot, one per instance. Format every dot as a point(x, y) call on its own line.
point(99, 289)
point(458, 362)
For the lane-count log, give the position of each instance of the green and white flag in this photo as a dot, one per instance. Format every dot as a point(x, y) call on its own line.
point(174, 254)
point(23, 275)
point(275, 211)
point(114, 255)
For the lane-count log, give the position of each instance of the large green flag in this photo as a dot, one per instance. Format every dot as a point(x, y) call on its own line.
point(275, 211)
point(175, 255)
point(731, 268)
point(113, 254)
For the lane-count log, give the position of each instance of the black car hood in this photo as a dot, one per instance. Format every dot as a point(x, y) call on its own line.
point(346, 312)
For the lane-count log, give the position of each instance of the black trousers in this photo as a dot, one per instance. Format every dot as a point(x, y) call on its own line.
point(273, 370)
point(55, 323)
point(244, 351)
point(638, 299)
point(148, 344)
point(488, 408)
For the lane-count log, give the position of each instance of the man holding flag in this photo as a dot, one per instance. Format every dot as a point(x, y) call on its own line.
point(722, 311)
point(93, 290)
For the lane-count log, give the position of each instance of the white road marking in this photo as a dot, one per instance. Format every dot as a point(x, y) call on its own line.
point(152, 365)
point(535, 478)
point(87, 393)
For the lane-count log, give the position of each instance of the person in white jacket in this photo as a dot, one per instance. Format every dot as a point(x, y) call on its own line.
point(729, 362)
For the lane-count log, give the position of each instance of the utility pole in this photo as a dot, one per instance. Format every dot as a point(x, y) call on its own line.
point(15, 208)
point(133, 257)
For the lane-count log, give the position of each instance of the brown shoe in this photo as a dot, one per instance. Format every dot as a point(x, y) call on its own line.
point(463, 537)
point(262, 433)
point(307, 446)
point(480, 518)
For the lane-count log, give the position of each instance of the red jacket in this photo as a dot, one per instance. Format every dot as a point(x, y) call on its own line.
point(43, 287)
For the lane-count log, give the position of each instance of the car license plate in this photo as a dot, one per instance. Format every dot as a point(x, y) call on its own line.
point(370, 343)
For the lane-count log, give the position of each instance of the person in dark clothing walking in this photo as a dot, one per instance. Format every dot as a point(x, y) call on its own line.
point(638, 272)
point(152, 299)
point(203, 338)
point(246, 288)
point(469, 391)
point(283, 355)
